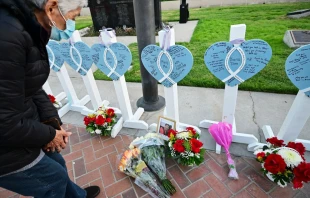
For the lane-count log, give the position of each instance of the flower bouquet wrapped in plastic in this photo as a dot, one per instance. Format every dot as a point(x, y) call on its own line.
point(222, 134)
point(152, 147)
point(132, 165)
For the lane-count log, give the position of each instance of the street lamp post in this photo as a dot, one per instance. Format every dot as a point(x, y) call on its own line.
point(145, 29)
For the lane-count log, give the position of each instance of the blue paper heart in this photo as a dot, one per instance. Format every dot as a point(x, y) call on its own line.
point(55, 58)
point(78, 56)
point(297, 68)
point(118, 59)
point(172, 68)
point(256, 55)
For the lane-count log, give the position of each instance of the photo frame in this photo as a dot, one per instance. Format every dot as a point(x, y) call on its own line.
point(165, 124)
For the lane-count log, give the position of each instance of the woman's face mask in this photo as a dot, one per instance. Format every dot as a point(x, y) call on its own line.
point(58, 34)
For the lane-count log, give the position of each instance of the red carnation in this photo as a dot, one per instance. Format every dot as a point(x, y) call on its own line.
point(172, 132)
point(191, 129)
point(260, 156)
point(108, 120)
point(275, 141)
point(100, 120)
point(178, 146)
point(297, 184)
point(52, 98)
point(86, 120)
point(196, 145)
point(110, 112)
point(275, 163)
point(302, 172)
point(298, 147)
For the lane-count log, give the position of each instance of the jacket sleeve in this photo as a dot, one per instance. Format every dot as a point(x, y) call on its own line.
point(45, 107)
point(15, 130)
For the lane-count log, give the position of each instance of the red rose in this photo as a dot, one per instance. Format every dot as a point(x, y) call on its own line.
point(100, 120)
point(191, 129)
point(298, 147)
point(172, 132)
point(260, 156)
point(196, 145)
point(297, 184)
point(86, 120)
point(178, 146)
point(275, 141)
point(302, 172)
point(275, 163)
point(108, 120)
point(52, 98)
point(110, 112)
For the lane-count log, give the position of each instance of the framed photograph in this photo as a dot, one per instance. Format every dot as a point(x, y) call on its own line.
point(164, 125)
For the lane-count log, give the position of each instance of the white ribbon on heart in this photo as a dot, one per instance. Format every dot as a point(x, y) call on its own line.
point(166, 75)
point(233, 74)
point(110, 33)
point(72, 47)
point(165, 46)
point(112, 70)
point(52, 62)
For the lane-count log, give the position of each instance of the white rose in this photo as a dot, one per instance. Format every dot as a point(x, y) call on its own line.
point(98, 131)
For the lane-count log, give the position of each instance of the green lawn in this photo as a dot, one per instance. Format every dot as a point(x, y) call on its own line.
point(266, 21)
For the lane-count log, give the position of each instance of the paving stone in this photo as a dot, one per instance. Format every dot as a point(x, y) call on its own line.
point(219, 188)
point(197, 189)
point(93, 161)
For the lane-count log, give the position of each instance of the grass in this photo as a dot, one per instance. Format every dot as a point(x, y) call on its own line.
point(265, 21)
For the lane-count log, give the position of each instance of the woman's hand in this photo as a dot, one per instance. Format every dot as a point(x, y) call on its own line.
point(59, 142)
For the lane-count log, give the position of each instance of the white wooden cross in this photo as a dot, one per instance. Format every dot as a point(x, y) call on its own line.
point(130, 120)
point(293, 123)
point(230, 100)
point(171, 94)
point(95, 98)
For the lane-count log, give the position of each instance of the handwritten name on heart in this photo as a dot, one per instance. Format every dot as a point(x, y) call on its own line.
point(297, 68)
point(234, 65)
point(56, 61)
point(167, 67)
point(114, 61)
point(78, 56)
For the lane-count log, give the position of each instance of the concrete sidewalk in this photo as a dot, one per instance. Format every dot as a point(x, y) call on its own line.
point(175, 5)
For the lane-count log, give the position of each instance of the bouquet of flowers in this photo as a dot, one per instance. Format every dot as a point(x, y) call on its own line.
point(56, 104)
point(152, 147)
point(185, 147)
point(131, 164)
point(284, 163)
point(101, 122)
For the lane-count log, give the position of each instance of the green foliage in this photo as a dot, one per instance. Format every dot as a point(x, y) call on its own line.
point(264, 21)
point(187, 145)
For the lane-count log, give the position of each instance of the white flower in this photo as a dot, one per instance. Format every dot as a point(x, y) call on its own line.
point(98, 131)
point(183, 135)
point(291, 158)
point(170, 144)
point(92, 132)
point(57, 105)
point(109, 128)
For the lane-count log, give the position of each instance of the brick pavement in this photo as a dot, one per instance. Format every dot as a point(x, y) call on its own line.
point(92, 161)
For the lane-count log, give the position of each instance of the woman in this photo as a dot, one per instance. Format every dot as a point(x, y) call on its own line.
point(25, 28)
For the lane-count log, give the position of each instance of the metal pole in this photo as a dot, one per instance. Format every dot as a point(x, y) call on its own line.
point(145, 29)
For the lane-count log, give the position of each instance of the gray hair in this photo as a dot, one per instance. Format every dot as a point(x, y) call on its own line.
point(64, 5)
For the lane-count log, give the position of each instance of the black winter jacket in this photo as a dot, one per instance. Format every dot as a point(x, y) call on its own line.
point(24, 68)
